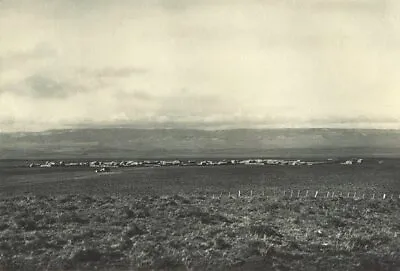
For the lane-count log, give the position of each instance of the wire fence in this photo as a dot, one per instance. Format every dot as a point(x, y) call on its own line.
point(307, 194)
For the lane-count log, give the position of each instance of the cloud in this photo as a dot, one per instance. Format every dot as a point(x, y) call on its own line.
point(43, 87)
point(353, 6)
point(109, 72)
point(38, 52)
point(135, 94)
point(186, 104)
point(314, 62)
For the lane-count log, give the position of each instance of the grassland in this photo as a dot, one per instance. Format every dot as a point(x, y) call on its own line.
point(168, 219)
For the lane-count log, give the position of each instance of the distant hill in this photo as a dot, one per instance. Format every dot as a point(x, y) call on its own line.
point(165, 143)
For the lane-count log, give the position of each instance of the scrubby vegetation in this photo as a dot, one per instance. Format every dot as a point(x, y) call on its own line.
point(197, 232)
point(174, 218)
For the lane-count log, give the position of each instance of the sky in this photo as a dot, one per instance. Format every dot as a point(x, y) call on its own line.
point(210, 64)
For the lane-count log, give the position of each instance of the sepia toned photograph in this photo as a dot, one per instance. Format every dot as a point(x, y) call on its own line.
point(197, 135)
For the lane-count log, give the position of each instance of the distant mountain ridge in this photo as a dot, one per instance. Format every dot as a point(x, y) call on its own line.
point(130, 142)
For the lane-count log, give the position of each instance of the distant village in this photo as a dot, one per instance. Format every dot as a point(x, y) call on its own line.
point(166, 163)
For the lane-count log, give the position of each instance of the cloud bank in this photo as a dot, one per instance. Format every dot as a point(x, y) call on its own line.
point(208, 64)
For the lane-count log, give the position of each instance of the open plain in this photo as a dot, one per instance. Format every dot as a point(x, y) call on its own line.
point(192, 218)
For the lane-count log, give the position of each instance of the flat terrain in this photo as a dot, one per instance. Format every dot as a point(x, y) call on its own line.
point(180, 218)
point(368, 177)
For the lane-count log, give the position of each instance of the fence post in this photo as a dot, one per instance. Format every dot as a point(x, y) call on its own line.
point(239, 194)
point(316, 194)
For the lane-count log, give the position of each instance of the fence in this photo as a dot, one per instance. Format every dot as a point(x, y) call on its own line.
point(308, 194)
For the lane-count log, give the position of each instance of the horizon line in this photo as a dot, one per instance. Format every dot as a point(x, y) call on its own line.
point(203, 129)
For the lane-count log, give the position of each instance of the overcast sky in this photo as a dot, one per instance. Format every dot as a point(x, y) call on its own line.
point(271, 63)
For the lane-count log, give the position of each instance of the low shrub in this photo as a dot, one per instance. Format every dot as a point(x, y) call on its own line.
point(133, 230)
point(86, 255)
point(264, 229)
point(220, 243)
point(27, 224)
point(72, 217)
